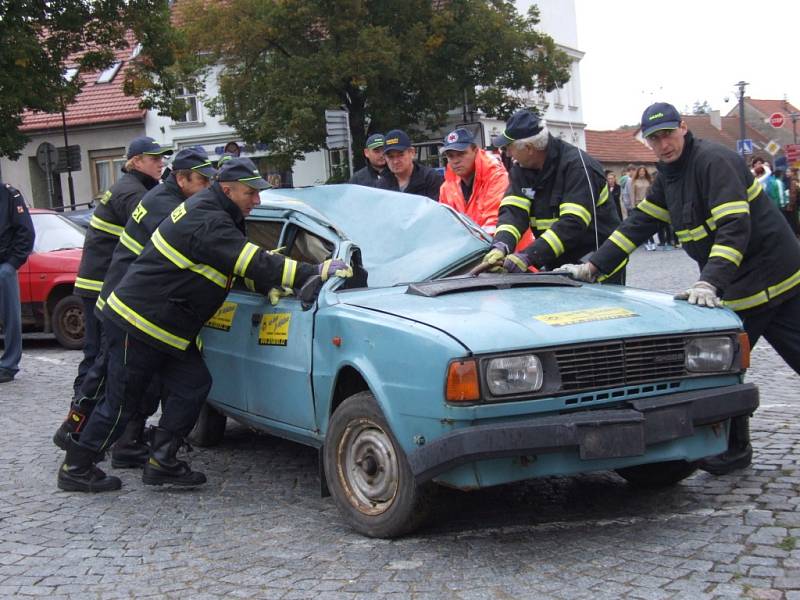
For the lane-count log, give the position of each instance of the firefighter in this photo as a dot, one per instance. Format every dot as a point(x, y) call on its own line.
point(191, 172)
point(374, 171)
point(748, 257)
point(153, 317)
point(558, 191)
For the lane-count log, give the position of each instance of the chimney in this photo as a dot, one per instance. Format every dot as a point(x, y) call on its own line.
point(716, 121)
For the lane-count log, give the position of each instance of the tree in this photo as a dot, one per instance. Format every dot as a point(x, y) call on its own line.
point(701, 108)
point(40, 39)
point(394, 63)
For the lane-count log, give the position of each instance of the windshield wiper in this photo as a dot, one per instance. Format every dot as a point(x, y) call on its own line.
point(488, 281)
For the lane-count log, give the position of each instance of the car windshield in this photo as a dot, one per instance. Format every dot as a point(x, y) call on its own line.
point(54, 232)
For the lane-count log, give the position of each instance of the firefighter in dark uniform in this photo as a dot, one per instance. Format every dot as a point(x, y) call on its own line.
point(403, 173)
point(140, 174)
point(191, 172)
point(748, 257)
point(375, 170)
point(558, 191)
point(154, 315)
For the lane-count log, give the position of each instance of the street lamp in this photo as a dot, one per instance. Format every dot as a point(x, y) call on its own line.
point(742, 134)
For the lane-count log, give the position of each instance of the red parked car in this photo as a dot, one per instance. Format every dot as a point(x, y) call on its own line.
point(47, 277)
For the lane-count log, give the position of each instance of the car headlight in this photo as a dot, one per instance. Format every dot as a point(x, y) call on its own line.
point(514, 375)
point(708, 354)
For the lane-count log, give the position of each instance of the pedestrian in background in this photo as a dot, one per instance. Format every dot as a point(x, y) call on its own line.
point(405, 173)
point(375, 169)
point(16, 242)
point(615, 193)
point(625, 183)
point(792, 192)
point(640, 184)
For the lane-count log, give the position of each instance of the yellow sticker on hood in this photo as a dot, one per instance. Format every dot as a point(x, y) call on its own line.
point(223, 318)
point(573, 317)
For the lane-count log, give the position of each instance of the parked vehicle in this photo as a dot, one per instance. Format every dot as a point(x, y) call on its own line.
point(47, 277)
point(414, 374)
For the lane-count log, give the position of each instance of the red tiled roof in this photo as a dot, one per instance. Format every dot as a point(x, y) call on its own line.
point(767, 107)
point(700, 126)
point(96, 103)
point(618, 146)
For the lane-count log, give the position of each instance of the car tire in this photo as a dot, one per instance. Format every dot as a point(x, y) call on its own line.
point(209, 429)
point(69, 322)
point(368, 474)
point(658, 475)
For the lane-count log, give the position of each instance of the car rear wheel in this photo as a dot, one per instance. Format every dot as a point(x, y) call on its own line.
point(368, 474)
point(209, 429)
point(657, 475)
point(69, 323)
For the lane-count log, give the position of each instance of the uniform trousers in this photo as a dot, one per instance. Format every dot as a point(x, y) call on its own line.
point(93, 346)
point(780, 326)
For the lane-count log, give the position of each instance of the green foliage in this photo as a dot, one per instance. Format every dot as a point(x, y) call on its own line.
point(390, 63)
point(788, 543)
point(701, 108)
point(40, 39)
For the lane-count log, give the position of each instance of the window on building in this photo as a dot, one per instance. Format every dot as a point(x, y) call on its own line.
point(192, 114)
point(106, 169)
point(107, 75)
point(338, 166)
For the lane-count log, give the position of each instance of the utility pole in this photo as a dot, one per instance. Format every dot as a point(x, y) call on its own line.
point(794, 116)
point(742, 134)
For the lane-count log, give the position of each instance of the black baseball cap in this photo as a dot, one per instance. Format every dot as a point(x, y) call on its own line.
point(396, 139)
point(146, 145)
point(194, 159)
point(376, 140)
point(659, 116)
point(522, 124)
point(459, 139)
point(244, 171)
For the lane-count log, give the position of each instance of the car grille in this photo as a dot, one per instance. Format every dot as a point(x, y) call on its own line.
point(621, 363)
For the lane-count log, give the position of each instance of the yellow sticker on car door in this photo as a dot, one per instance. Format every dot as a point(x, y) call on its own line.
point(274, 329)
point(223, 318)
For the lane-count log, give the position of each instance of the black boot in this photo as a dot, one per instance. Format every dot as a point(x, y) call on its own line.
point(163, 467)
point(739, 452)
point(78, 473)
point(76, 419)
point(130, 451)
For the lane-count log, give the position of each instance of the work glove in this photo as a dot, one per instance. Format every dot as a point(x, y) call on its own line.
point(495, 256)
point(516, 263)
point(701, 293)
point(275, 294)
point(334, 268)
point(581, 272)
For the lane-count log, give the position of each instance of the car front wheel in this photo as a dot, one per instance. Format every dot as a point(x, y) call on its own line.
point(69, 323)
point(368, 474)
point(209, 429)
point(656, 475)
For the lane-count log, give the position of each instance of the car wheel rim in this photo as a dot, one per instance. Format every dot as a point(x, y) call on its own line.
point(72, 323)
point(368, 467)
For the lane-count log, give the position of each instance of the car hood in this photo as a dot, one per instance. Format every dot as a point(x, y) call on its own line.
point(60, 261)
point(518, 318)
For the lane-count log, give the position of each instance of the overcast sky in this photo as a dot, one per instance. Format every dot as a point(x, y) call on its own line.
point(639, 52)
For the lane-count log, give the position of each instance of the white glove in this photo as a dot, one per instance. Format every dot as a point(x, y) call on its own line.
point(581, 272)
point(701, 293)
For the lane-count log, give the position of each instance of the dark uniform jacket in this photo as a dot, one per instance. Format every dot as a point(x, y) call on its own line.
point(724, 220)
point(559, 205)
point(369, 176)
point(185, 271)
point(105, 228)
point(16, 228)
point(424, 182)
point(146, 217)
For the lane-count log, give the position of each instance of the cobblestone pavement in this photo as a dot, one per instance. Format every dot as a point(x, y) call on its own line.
point(259, 528)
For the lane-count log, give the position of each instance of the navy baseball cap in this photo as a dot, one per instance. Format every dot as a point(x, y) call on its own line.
point(194, 159)
point(244, 171)
point(459, 139)
point(146, 145)
point(396, 139)
point(659, 116)
point(522, 124)
point(374, 141)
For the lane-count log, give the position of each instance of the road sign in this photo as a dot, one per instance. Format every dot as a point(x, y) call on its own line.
point(792, 152)
point(776, 119)
point(69, 159)
point(772, 147)
point(337, 128)
point(744, 146)
point(46, 156)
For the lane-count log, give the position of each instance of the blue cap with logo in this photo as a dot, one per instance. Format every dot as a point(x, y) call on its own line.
point(244, 171)
point(146, 145)
point(194, 159)
point(459, 139)
point(659, 116)
point(374, 141)
point(396, 139)
point(522, 124)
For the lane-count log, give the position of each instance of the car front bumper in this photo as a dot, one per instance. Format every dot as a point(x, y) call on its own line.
point(596, 434)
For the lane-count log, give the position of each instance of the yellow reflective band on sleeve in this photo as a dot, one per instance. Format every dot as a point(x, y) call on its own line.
point(98, 223)
point(570, 208)
point(603, 196)
point(542, 224)
point(130, 243)
point(691, 235)
point(754, 190)
point(517, 201)
point(88, 284)
point(711, 224)
point(730, 208)
point(289, 271)
point(622, 241)
point(145, 326)
point(619, 267)
point(180, 261)
point(245, 256)
point(510, 229)
point(100, 303)
point(784, 286)
point(726, 252)
point(654, 210)
point(555, 242)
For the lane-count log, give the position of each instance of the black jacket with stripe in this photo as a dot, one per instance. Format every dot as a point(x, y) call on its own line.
point(105, 228)
point(725, 222)
point(16, 228)
point(185, 271)
point(559, 203)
